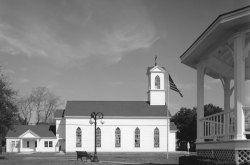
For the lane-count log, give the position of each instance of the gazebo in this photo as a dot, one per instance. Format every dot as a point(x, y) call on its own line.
point(222, 52)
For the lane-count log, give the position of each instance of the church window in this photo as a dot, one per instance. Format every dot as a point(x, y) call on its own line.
point(78, 137)
point(117, 137)
point(98, 137)
point(137, 137)
point(156, 138)
point(157, 82)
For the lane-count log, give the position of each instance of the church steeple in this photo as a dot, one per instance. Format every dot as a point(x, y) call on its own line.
point(156, 84)
point(155, 60)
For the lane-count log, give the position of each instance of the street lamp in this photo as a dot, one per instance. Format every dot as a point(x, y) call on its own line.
point(95, 116)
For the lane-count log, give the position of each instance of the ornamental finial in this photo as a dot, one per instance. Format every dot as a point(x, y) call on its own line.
point(155, 60)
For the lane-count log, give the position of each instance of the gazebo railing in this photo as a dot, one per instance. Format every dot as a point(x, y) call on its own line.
point(220, 126)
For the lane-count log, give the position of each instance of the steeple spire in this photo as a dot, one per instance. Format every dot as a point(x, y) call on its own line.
point(155, 60)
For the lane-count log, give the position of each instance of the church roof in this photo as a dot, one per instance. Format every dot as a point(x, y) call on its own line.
point(59, 113)
point(115, 108)
point(40, 130)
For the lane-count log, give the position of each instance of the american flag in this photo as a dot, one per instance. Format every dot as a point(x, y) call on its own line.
point(173, 86)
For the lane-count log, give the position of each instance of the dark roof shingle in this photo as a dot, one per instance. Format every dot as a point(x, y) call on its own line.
point(115, 108)
point(59, 113)
point(40, 130)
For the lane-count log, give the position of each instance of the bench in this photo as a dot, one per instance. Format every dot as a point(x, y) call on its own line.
point(81, 154)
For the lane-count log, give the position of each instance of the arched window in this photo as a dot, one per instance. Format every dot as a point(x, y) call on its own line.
point(78, 137)
point(98, 137)
point(156, 138)
point(157, 82)
point(117, 137)
point(137, 137)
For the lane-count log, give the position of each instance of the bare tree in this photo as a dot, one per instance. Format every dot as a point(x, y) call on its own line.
point(44, 103)
point(52, 102)
point(25, 106)
point(38, 96)
point(40, 101)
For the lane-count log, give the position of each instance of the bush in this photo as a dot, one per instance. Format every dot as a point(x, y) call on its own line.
point(185, 160)
point(246, 163)
point(195, 160)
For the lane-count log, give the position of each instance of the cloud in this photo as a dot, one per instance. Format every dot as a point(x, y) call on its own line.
point(113, 46)
point(248, 99)
point(174, 108)
point(187, 86)
point(116, 83)
point(9, 71)
point(22, 80)
point(64, 33)
point(14, 43)
point(214, 81)
point(190, 86)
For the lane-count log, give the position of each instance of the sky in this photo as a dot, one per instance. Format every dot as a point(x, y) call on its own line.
point(100, 49)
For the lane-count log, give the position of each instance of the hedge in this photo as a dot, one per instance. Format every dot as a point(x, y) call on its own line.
point(195, 160)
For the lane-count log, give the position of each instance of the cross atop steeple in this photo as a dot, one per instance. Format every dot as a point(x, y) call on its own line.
point(155, 60)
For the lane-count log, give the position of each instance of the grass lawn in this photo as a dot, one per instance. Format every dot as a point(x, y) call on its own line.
point(104, 158)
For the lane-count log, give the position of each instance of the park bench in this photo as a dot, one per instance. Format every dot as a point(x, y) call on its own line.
point(81, 154)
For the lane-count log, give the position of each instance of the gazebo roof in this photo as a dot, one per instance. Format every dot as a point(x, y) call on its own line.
point(214, 45)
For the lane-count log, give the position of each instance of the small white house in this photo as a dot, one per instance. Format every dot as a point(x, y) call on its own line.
point(31, 138)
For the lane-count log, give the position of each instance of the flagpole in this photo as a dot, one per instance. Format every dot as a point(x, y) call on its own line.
point(167, 115)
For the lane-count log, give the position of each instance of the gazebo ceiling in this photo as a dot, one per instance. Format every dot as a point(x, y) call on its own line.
point(215, 45)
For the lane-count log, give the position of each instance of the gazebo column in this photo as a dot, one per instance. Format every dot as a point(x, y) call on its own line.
point(200, 101)
point(239, 83)
point(227, 93)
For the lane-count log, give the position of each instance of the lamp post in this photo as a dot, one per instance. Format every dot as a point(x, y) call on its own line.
point(95, 116)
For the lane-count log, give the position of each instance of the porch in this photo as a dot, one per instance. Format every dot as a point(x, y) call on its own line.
point(222, 52)
point(218, 140)
point(28, 145)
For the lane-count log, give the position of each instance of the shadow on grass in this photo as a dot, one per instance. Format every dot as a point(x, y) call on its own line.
point(129, 163)
point(2, 157)
point(150, 164)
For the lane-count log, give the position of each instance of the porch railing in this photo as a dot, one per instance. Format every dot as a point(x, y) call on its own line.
point(219, 126)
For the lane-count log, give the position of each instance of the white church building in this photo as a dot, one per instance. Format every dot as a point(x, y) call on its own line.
point(127, 126)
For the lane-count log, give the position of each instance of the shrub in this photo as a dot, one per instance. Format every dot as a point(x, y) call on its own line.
point(195, 160)
point(185, 160)
point(246, 163)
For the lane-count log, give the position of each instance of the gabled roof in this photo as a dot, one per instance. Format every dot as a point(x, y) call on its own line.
point(40, 130)
point(59, 113)
point(29, 132)
point(218, 32)
point(115, 108)
point(150, 69)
